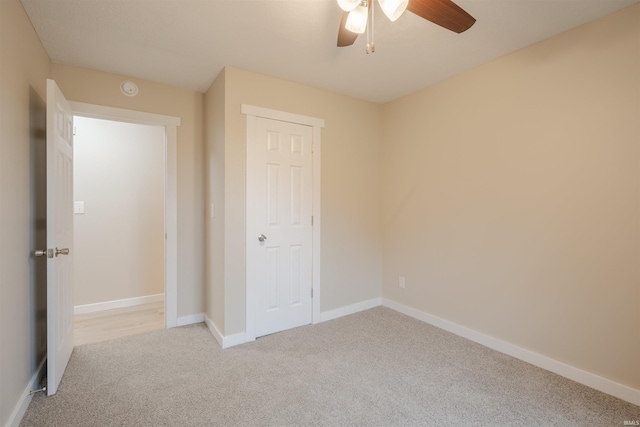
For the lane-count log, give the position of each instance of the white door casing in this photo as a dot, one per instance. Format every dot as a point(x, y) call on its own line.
point(59, 235)
point(282, 201)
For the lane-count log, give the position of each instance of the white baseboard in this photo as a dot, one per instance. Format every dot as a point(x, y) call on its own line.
point(589, 379)
point(241, 338)
point(22, 405)
point(225, 341)
point(350, 309)
point(120, 303)
point(214, 330)
point(191, 319)
point(235, 339)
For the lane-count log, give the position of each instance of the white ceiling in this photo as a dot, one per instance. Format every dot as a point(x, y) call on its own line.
point(186, 43)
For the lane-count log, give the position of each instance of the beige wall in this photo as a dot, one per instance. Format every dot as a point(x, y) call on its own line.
point(511, 198)
point(24, 68)
point(119, 239)
point(215, 201)
point(95, 87)
point(351, 141)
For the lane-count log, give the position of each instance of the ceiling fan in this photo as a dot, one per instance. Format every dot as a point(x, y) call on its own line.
point(356, 13)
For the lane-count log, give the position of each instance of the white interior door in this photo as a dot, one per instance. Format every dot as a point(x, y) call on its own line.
point(279, 224)
point(59, 235)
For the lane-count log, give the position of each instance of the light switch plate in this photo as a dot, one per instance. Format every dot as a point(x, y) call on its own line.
point(78, 207)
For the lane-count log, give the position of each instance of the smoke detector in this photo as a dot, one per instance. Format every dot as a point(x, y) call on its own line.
point(129, 88)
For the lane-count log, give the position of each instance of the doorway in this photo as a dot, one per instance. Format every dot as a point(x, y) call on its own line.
point(115, 258)
point(118, 228)
point(59, 250)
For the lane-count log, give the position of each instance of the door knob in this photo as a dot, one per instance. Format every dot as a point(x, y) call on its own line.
point(63, 251)
point(50, 252)
point(262, 237)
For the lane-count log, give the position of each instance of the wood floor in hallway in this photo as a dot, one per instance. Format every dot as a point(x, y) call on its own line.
point(120, 322)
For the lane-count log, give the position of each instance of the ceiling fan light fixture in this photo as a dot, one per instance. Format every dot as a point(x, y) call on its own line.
point(348, 5)
point(393, 8)
point(357, 20)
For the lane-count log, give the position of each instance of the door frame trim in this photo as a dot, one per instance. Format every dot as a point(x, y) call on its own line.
point(253, 112)
point(170, 125)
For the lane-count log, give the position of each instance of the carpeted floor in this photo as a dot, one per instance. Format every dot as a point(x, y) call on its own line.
point(374, 368)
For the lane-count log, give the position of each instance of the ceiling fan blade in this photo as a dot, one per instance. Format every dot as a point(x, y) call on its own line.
point(345, 37)
point(445, 13)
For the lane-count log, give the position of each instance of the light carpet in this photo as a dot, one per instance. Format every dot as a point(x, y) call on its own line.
point(374, 368)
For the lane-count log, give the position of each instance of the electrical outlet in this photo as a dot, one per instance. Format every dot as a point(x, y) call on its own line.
point(401, 282)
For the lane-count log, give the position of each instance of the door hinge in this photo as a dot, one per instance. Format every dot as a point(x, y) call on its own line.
point(311, 292)
point(311, 220)
point(74, 131)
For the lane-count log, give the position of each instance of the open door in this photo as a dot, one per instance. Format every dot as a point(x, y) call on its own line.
point(59, 235)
